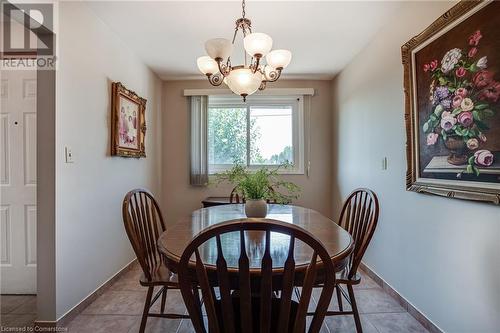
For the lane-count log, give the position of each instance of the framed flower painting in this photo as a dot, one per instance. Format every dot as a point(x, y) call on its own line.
point(128, 127)
point(452, 90)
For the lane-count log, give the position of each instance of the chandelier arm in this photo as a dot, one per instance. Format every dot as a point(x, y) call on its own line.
point(223, 69)
point(256, 66)
point(235, 33)
point(262, 85)
point(215, 80)
point(274, 75)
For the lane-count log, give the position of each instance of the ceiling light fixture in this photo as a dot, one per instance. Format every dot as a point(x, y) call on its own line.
point(244, 79)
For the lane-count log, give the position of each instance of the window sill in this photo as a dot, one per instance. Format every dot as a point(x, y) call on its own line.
point(215, 171)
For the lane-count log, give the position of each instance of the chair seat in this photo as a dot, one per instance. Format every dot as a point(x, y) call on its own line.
point(342, 278)
point(161, 276)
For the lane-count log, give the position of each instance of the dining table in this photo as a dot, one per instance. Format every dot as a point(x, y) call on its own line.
point(338, 242)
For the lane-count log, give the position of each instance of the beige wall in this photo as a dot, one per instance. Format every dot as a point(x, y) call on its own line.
point(91, 242)
point(441, 254)
point(179, 198)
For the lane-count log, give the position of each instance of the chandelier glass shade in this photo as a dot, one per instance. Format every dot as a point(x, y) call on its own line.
point(243, 79)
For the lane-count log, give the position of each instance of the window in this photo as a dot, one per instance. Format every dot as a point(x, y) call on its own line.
point(266, 131)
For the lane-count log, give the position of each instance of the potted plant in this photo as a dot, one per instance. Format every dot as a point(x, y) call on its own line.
point(259, 187)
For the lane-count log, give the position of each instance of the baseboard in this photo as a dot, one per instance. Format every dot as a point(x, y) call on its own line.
point(412, 310)
point(77, 309)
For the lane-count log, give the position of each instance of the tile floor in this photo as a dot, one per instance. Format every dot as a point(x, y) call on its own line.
point(119, 308)
point(17, 311)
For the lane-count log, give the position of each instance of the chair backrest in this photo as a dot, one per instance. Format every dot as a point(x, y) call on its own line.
point(144, 224)
point(232, 320)
point(234, 197)
point(271, 190)
point(359, 217)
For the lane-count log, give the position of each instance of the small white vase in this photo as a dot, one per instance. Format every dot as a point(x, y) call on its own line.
point(256, 208)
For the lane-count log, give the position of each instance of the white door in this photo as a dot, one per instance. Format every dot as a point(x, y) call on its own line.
point(18, 182)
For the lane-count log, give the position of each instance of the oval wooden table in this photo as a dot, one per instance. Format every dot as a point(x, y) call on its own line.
point(336, 240)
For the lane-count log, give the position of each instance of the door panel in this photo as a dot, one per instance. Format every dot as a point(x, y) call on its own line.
point(5, 236)
point(18, 182)
point(4, 150)
point(30, 229)
point(29, 148)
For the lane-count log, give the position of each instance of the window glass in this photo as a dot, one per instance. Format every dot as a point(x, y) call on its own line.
point(227, 135)
point(271, 135)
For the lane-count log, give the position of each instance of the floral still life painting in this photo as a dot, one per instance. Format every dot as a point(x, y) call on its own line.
point(128, 130)
point(452, 85)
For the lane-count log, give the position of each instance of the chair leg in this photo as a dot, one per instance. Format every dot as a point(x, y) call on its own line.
point(357, 320)
point(147, 305)
point(163, 299)
point(339, 298)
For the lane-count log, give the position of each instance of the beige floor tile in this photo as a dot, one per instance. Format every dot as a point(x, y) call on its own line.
point(129, 282)
point(376, 301)
point(187, 327)
point(345, 324)
point(28, 307)
point(17, 320)
point(174, 304)
point(10, 302)
point(323, 329)
point(366, 282)
point(333, 302)
point(157, 325)
point(395, 323)
point(117, 303)
point(136, 266)
point(101, 324)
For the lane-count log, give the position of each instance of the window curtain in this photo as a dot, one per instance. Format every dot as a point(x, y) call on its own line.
point(199, 138)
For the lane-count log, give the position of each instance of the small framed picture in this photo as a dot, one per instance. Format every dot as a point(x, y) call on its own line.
point(128, 123)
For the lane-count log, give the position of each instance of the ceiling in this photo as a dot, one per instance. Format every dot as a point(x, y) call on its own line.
point(322, 36)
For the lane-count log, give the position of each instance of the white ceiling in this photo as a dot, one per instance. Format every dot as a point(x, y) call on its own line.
point(322, 36)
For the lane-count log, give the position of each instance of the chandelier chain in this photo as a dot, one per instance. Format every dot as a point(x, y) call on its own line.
point(243, 8)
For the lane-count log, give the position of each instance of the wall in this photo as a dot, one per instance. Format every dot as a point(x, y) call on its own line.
point(180, 198)
point(441, 254)
point(91, 242)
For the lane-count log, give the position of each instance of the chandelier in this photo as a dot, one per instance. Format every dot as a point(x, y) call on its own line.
point(243, 79)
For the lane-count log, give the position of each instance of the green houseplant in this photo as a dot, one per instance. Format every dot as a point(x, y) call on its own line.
point(259, 187)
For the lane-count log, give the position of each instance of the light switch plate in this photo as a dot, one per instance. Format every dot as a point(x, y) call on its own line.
point(384, 163)
point(69, 155)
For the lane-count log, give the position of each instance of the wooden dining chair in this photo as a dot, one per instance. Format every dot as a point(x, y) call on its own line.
point(359, 217)
point(144, 224)
point(251, 303)
point(234, 197)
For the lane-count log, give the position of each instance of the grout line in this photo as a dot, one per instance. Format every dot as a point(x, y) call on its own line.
point(110, 314)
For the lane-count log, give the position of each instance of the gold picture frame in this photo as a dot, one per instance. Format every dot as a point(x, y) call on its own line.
point(419, 176)
point(128, 122)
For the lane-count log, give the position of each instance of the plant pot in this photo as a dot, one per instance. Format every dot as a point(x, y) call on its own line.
point(458, 150)
point(256, 208)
